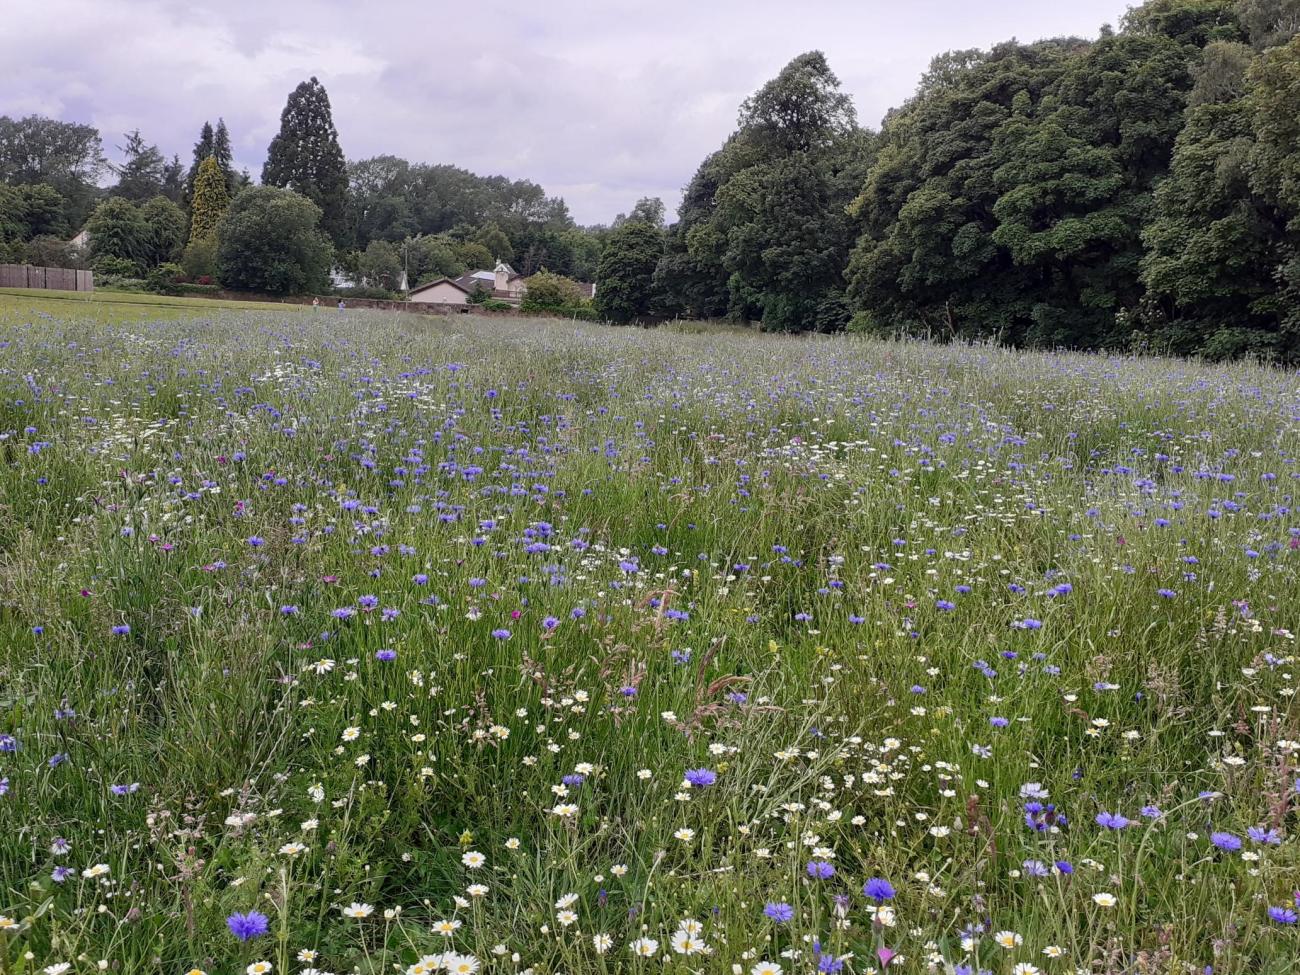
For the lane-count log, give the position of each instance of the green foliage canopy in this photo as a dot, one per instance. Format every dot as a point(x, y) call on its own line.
point(270, 240)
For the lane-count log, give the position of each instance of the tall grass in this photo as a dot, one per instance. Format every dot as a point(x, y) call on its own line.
point(298, 612)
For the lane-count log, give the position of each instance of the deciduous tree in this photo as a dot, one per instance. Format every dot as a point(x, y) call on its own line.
point(625, 282)
point(270, 240)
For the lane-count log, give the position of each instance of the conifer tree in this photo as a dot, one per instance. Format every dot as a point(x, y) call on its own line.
point(202, 150)
point(224, 156)
point(305, 157)
point(210, 200)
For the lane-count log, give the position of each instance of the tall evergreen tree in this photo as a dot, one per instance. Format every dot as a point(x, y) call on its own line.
point(173, 182)
point(165, 225)
point(140, 174)
point(305, 157)
point(224, 155)
point(202, 151)
point(118, 229)
point(210, 200)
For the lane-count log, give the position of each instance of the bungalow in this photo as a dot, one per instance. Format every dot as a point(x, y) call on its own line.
point(501, 284)
point(444, 291)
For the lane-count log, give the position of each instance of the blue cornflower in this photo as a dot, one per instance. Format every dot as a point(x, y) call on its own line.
point(247, 926)
point(878, 889)
point(385, 655)
point(1112, 820)
point(1269, 837)
point(1282, 915)
point(820, 869)
point(1226, 841)
point(778, 912)
point(701, 777)
point(501, 634)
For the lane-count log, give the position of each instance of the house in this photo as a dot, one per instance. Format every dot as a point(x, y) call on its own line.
point(501, 284)
point(444, 291)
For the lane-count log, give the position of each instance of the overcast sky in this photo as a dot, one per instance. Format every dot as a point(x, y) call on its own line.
point(600, 101)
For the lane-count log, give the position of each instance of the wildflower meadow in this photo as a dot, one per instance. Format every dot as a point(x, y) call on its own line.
point(354, 642)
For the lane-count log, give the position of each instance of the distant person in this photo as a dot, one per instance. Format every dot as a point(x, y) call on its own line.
point(341, 305)
point(315, 304)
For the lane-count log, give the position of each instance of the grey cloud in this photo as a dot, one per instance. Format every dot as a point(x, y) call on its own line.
point(599, 102)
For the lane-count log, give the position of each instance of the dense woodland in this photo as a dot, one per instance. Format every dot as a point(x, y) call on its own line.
point(1137, 191)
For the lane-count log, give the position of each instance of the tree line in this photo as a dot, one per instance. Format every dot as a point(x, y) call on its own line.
point(1137, 191)
point(379, 220)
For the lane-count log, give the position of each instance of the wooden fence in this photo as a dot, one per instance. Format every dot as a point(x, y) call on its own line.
point(45, 278)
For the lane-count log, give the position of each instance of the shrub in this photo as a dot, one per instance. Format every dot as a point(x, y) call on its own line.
point(113, 282)
point(163, 279)
point(547, 291)
point(200, 259)
point(111, 266)
point(197, 289)
point(50, 252)
point(365, 291)
point(583, 313)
